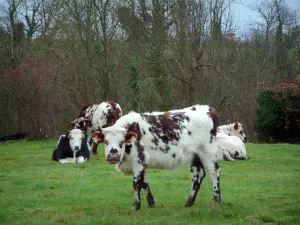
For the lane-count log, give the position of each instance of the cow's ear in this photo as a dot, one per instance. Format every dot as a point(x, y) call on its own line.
point(236, 125)
point(68, 135)
point(70, 125)
point(130, 136)
point(98, 136)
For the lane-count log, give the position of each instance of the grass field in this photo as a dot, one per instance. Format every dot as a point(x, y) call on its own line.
point(36, 190)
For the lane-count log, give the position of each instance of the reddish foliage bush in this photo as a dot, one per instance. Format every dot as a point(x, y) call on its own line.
point(278, 115)
point(29, 93)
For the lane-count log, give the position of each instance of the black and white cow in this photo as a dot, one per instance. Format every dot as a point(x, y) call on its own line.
point(71, 148)
point(164, 140)
point(93, 117)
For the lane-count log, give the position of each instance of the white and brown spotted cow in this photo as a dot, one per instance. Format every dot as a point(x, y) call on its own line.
point(164, 140)
point(233, 129)
point(230, 148)
point(96, 117)
point(230, 140)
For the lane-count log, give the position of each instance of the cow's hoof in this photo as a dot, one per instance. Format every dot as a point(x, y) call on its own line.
point(151, 205)
point(217, 200)
point(188, 204)
point(80, 159)
point(150, 201)
point(136, 206)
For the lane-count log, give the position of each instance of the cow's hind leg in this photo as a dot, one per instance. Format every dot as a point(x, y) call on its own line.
point(211, 165)
point(214, 174)
point(198, 174)
point(226, 155)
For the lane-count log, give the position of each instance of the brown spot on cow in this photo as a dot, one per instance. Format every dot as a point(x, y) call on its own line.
point(194, 108)
point(166, 114)
point(135, 128)
point(82, 111)
point(113, 114)
point(236, 125)
point(166, 128)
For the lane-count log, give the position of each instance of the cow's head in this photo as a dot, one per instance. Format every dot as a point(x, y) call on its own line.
point(238, 131)
point(114, 139)
point(75, 137)
point(79, 123)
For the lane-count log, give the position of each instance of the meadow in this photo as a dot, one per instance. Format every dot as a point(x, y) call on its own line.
point(36, 190)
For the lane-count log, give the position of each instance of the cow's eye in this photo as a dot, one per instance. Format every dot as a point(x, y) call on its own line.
point(106, 142)
point(241, 132)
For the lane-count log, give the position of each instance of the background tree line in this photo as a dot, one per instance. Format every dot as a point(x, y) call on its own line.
point(58, 55)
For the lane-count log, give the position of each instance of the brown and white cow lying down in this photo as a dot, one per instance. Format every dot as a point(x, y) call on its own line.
point(233, 129)
point(95, 117)
point(164, 140)
point(230, 140)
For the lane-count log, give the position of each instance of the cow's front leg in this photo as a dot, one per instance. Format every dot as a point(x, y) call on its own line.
point(74, 157)
point(94, 149)
point(149, 195)
point(198, 174)
point(137, 185)
point(140, 181)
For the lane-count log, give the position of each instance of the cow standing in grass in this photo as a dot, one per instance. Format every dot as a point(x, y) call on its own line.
point(164, 140)
point(71, 148)
point(96, 117)
point(230, 140)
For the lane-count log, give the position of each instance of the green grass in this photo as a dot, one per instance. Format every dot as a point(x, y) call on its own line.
point(36, 190)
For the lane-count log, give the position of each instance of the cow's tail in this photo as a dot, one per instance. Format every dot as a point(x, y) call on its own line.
point(215, 119)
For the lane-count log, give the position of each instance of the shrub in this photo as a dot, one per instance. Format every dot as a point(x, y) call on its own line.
point(278, 115)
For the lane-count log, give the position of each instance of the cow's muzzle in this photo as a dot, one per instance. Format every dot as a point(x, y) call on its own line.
point(113, 158)
point(76, 148)
point(245, 139)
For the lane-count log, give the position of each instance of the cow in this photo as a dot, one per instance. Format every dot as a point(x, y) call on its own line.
point(233, 129)
point(230, 148)
point(71, 148)
point(95, 117)
point(164, 140)
point(230, 140)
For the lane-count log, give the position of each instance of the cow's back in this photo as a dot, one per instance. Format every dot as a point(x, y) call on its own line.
point(169, 140)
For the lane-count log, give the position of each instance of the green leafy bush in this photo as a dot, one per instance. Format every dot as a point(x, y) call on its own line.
point(278, 115)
